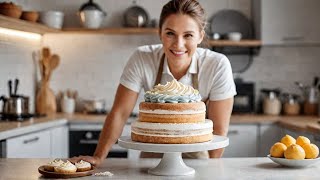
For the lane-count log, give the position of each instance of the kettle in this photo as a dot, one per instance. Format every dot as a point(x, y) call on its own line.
point(14, 105)
point(91, 15)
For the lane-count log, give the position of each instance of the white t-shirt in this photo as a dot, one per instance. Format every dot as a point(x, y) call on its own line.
point(215, 79)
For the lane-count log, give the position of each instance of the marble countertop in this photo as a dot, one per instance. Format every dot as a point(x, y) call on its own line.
point(224, 168)
point(10, 129)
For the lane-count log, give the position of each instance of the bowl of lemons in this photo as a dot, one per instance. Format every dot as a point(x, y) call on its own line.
point(293, 152)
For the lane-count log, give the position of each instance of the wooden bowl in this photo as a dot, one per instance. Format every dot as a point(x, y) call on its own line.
point(10, 9)
point(32, 16)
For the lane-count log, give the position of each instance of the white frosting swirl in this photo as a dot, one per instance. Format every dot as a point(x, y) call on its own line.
point(56, 162)
point(82, 164)
point(67, 166)
point(173, 92)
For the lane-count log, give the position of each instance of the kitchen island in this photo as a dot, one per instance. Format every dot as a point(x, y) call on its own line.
point(224, 168)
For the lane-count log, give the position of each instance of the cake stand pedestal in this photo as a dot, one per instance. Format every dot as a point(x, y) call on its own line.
point(172, 163)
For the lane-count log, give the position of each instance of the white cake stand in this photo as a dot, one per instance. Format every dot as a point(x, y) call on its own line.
point(172, 163)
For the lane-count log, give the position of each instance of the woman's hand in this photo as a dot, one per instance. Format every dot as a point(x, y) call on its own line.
point(93, 160)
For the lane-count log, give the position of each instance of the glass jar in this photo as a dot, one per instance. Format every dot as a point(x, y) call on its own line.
point(271, 104)
point(291, 105)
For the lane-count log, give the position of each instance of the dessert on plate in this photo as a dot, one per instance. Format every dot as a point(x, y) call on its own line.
point(50, 166)
point(83, 166)
point(65, 168)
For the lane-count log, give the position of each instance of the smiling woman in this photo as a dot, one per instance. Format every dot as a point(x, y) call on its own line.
point(181, 30)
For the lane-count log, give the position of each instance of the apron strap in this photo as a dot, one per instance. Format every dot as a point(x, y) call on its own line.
point(160, 69)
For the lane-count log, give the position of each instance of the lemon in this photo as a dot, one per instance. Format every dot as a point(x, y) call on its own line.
point(294, 151)
point(288, 140)
point(301, 140)
point(312, 151)
point(277, 150)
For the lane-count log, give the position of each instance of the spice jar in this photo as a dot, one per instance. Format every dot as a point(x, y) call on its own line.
point(271, 104)
point(291, 105)
point(310, 106)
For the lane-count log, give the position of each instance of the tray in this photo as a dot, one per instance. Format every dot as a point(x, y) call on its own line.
point(50, 174)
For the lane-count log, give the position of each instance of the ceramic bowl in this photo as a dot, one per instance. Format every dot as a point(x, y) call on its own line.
point(52, 19)
point(10, 9)
point(30, 16)
point(294, 163)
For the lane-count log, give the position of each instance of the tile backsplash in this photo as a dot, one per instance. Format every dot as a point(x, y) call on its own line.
point(93, 63)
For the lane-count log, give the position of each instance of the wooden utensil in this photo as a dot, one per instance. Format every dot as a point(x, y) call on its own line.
point(54, 62)
point(46, 100)
point(46, 52)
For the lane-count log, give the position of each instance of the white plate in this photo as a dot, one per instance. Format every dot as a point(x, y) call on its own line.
point(293, 162)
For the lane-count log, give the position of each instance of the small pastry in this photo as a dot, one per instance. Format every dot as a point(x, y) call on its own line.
point(66, 168)
point(83, 166)
point(50, 166)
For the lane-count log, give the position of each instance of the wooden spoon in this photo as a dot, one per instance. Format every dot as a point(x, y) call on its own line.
point(54, 62)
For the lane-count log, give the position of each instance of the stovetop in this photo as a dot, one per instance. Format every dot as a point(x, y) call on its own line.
point(21, 117)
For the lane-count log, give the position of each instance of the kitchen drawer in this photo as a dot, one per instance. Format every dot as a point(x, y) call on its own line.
point(33, 145)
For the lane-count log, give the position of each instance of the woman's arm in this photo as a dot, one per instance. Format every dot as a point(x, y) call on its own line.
point(220, 112)
point(122, 107)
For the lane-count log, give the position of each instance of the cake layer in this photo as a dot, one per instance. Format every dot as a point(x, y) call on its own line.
point(172, 129)
point(172, 108)
point(172, 118)
point(171, 140)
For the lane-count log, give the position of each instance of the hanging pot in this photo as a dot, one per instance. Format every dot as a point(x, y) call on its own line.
point(136, 16)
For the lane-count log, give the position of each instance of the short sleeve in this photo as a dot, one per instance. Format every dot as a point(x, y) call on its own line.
point(223, 86)
point(132, 75)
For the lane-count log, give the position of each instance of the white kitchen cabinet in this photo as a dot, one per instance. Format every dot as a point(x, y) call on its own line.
point(49, 143)
point(33, 145)
point(59, 142)
point(287, 22)
point(243, 141)
point(268, 135)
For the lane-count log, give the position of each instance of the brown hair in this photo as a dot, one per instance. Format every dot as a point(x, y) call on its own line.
point(191, 8)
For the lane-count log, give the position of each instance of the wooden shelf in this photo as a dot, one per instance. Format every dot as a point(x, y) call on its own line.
point(21, 25)
point(242, 43)
point(119, 31)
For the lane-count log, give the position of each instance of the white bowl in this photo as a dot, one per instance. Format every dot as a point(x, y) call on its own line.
point(52, 19)
point(293, 162)
point(91, 18)
point(234, 36)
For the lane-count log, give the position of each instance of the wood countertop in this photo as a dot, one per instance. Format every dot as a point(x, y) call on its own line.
point(308, 124)
point(222, 168)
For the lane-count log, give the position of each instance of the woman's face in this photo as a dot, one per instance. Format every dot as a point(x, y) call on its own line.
point(180, 36)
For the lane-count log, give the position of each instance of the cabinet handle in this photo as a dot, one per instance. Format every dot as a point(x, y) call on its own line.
point(82, 141)
point(234, 132)
point(293, 38)
point(31, 140)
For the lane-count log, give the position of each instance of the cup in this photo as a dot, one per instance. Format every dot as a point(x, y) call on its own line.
point(68, 105)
